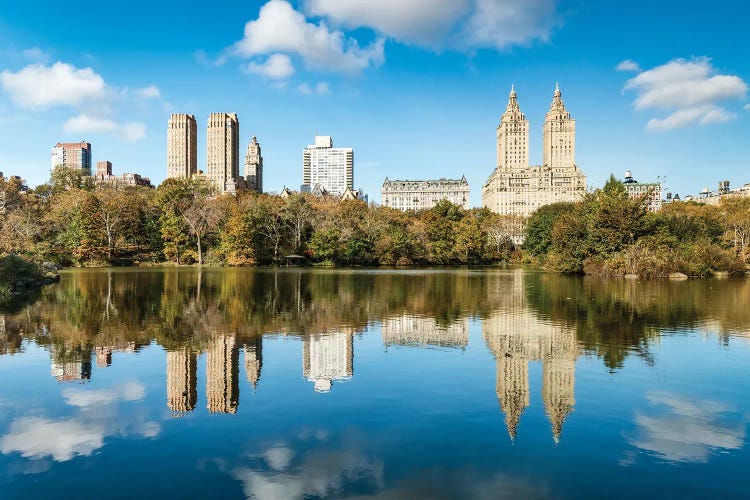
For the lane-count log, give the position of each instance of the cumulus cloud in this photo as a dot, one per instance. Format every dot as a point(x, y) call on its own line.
point(688, 90)
point(502, 23)
point(688, 430)
point(447, 23)
point(420, 21)
point(628, 65)
point(150, 92)
point(277, 66)
point(40, 86)
point(83, 123)
point(747, 107)
point(281, 29)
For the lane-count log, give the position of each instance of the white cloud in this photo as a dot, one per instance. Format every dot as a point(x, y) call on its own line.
point(84, 123)
point(62, 440)
point(447, 23)
point(420, 21)
point(747, 107)
point(276, 66)
point(689, 90)
point(150, 92)
point(321, 88)
point(279, 457)
point(502, 23)
point(628, 65)
point(280, 28)
point(40, 86)
point(35, 54)
point(688, 430)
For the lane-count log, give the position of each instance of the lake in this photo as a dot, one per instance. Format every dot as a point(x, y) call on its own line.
point(297, 383)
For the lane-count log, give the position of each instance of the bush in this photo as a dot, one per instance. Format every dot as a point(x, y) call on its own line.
point(17, 272)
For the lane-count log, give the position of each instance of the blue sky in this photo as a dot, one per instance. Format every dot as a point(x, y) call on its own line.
point(416, 87)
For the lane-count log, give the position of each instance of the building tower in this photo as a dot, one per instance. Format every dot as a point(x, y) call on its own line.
point(182, 392)
point(103, 169)
point(222, 373)
point(254, 166)
point(559, 136)
point(182, 146)
point(75, 155)
point(223, 151)
point(512, 387)
point(329, 169)
point(513, 136)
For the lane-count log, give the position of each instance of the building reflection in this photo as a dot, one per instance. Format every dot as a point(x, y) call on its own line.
point(328, 357)
point(423, 331)
point(222, 375)
point(254, 360)
point(182, 391)
point(516, 337)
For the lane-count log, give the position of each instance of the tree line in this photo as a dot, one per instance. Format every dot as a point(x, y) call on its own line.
point(184, 221)
point(608, 233)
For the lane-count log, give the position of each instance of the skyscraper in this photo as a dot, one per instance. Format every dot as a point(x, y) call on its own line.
point(223, 151)
point(182, 146)
point(329, 168)
point(254, 166)
point(328, 357)
point(72, 155)
point(517, 188)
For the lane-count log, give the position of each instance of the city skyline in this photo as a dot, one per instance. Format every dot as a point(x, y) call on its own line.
point(433, 76)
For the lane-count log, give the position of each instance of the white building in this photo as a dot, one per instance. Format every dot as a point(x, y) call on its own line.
point(72, 155)
point(330, 168)
point(423, 195)
point(517, 188)
point(651, 190)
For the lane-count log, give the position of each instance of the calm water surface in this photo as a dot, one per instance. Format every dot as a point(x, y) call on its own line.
point(374, 384)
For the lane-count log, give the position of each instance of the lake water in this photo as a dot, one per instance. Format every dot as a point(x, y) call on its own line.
point(298, 383)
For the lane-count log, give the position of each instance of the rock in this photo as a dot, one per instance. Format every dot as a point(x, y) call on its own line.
point(678, 276)
point(50, 266)
point(631, 276)
point(721, 275)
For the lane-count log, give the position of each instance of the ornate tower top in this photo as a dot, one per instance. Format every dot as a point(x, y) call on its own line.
point(557, 108)
point(513, 110)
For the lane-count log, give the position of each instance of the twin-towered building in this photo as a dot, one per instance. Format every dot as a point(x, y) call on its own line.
point(222, 152)
point(517, 188)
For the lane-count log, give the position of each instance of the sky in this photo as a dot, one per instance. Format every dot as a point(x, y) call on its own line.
point(416, 87)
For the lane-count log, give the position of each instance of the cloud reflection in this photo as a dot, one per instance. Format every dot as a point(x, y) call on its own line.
point(688, 430)
point(63, 439)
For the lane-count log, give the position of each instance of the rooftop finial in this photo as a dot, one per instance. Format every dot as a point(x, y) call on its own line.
point(512, 89)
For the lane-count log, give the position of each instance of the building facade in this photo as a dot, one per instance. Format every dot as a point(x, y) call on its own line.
point(182, 146)
point(72, 155)
point(105, 178)
point(423, 195)
point(223, 151)
point(517, 188)
point(650, 190)
point(330, 168)
point(326, 358)
point(254, 166)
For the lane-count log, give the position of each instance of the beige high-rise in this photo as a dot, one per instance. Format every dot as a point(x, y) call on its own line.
point(515, 187)
point(182, 146)
point(223, 151)
point(254, 166)
point(222, 374)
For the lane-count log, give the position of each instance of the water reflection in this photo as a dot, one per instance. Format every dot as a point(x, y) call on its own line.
point(213, 324)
